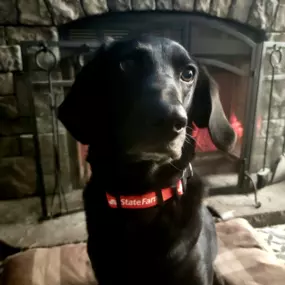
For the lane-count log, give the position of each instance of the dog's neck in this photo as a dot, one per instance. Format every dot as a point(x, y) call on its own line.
point(133, 177)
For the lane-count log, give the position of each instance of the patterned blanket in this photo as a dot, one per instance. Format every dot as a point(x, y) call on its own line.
point(243, 259)
point(275, 238)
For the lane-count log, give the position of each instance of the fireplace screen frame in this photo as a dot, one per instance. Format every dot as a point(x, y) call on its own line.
point(75, 48)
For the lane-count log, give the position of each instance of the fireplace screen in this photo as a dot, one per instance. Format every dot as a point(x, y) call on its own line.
point(230, 52)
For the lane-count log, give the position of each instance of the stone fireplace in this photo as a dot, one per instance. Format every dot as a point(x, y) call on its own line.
point(232, 38)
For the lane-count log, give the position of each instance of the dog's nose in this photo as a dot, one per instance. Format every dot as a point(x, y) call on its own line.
point(179, 121)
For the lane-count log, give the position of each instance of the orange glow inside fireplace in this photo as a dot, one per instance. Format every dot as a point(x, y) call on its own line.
point(203, 138)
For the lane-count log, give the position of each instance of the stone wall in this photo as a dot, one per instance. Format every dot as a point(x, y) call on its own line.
point(17, 163)
point(264, 14)
point(37, 20)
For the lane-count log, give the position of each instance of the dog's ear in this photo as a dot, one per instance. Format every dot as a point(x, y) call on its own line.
point(78, 110)
point(207, 112)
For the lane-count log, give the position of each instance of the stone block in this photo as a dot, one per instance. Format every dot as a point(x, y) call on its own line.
point(220, 8)
point(279, 24)
point(278, 94)
point(276, 37)
point(18, 177)
point(49, 166)
point(64, 11)
point(282, 112)
point(274, 144)
point(10, 58)
point(9, 146)
point(49, 181)
point(203, 6)
point(256, 163)
point(182, 5)
point(15, 35)
point(27, 145)
point(46, 145)
point(91, 7)
point(47, 158)
point(34, 12)
point(8, 14)
point(22, 125)
point(263, 14)
point(8, 107)
point(42, 100)
point(240, 10)
point(119, 5)
point(164, 5)
point(276, 128)
point(25, 90)
point(6, 84)
point(2, 36)
point(47, 151)
point(138, 5)
point(274, 150)
point(275, 113)
point(44, 125)
point(43, 111)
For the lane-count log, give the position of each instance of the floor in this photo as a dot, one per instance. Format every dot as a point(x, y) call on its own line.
point(271, 212)
point(20, 226)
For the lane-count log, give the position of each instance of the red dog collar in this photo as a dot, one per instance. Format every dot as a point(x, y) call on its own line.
point(144, 201)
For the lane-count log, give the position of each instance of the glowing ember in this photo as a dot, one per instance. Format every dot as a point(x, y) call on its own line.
point(203, 138)
point(237, 126)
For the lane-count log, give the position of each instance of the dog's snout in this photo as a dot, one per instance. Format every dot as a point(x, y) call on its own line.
point(179, 121)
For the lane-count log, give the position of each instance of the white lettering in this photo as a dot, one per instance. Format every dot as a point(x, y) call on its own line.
point(134, 202)
point(112, 202)
point(147, 201)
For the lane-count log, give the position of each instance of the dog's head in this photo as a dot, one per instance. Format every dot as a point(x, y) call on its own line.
point(143, 95)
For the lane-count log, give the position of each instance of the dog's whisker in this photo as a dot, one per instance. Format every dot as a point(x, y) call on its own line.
point(188, 140)
point(190, 128)
point(190, 137)
point(175, 166)
point(189, 143)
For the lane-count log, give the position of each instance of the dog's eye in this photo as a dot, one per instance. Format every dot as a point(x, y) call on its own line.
point(188, 74)
point(127, 65)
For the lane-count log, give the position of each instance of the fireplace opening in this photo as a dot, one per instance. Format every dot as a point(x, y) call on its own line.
point(233, 54)
point(226, 48)
point(233, 91)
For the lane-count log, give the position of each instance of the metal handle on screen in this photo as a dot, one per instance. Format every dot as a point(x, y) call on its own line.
point(47, 51)
point(277, 60)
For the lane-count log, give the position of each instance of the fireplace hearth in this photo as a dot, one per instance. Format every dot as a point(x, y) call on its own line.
point(234, 40)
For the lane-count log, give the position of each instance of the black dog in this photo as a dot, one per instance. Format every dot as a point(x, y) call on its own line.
point(135, 104)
